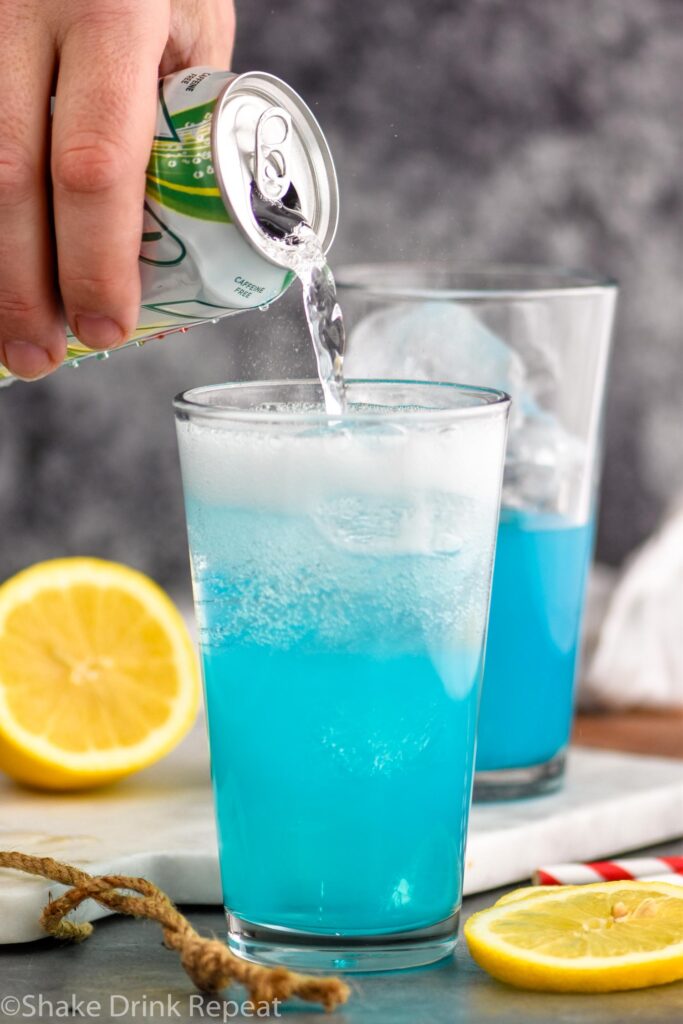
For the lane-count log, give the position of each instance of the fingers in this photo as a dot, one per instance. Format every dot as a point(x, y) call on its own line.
point(202, 33)
point(102, 134)
point(32, 336)
point(110, 54)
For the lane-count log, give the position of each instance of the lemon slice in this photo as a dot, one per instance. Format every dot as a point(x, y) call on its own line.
point(527, 891)
point(98, 675)
point(585, 938)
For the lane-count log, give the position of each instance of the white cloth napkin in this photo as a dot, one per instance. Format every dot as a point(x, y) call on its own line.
point(637, 659)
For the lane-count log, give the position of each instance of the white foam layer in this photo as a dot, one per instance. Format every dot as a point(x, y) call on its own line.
point(292, 470)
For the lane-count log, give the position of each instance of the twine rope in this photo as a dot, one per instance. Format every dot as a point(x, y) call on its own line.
point(210, 964)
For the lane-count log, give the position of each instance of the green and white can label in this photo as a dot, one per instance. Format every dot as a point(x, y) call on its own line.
point(200, 255)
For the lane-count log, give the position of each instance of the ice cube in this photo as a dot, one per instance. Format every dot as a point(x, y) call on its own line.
point(391, 743)
point(432, 341)
point(447, 341)
point(427, 524)
point(362, 525)
point(544, 465)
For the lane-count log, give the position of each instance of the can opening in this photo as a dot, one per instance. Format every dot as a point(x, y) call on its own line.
point(277, 218)
point(264, 138)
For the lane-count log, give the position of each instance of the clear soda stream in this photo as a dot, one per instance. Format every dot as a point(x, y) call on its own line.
point(303, 254)
point(325, 323)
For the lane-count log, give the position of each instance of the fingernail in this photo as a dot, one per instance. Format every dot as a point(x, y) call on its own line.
point(97, 331)
point(26, 360)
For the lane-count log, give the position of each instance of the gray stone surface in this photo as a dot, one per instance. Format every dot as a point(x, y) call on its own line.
point(463, 130)
point(126, 958)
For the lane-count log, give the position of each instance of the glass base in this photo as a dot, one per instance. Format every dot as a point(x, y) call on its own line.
point(305, 951)
point(517, 783)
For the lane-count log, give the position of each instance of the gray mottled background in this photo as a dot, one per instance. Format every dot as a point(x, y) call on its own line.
point(538, 130)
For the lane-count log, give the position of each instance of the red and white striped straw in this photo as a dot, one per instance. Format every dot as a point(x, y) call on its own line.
point(631, 868)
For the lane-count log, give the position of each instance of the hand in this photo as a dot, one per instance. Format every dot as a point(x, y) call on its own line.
point(69, 248)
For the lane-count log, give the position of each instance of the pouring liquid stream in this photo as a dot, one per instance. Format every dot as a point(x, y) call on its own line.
point(305, 257)
point(326, 327)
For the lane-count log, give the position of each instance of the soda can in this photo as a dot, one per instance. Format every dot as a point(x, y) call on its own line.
point(236, 159)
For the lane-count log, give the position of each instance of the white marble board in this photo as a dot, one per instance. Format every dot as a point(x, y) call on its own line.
point(159, 823)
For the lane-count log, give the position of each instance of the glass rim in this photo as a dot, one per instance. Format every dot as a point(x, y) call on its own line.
point(566, 281)
point(492, 401)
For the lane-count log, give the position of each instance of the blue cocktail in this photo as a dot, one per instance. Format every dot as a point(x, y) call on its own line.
point(341, 572)
point(536, 605)
point(542, 335)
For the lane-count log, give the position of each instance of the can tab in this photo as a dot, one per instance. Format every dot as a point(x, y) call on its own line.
point(273, 133)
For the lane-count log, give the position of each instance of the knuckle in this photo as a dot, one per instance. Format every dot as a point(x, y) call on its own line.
point(17, 174)
point(106, 24)
point(108, 13)
point(100, 282)
point(92, 290)
point(88, 164)
point(15, 306)
point(31, 317)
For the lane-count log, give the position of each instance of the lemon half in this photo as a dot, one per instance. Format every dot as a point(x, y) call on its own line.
point(98, 674)
point(601, 937)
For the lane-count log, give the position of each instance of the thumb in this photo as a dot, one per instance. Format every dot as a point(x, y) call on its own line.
point(202, 32)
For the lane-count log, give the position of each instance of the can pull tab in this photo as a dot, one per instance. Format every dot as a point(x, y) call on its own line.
point(273, 131)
